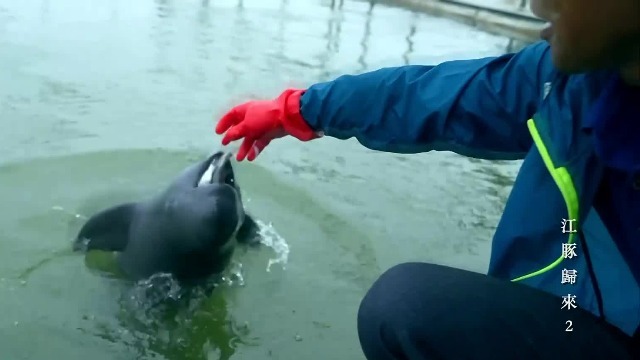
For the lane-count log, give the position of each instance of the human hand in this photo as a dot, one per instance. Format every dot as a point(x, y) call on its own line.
point(261, 121)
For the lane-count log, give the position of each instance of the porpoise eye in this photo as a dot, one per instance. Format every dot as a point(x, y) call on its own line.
point(229, 179)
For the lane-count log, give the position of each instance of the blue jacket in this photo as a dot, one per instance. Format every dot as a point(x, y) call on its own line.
point(515, 106)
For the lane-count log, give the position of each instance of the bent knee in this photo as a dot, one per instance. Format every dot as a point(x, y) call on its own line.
point(396, 307)
point(394, 287)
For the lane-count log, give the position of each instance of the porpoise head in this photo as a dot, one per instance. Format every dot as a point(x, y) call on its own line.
point(214, 195)
point(219, 173)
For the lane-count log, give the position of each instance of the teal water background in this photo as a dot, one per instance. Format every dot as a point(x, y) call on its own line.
point(104, 101)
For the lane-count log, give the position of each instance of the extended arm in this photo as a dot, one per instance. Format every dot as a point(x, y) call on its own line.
point(475, 107)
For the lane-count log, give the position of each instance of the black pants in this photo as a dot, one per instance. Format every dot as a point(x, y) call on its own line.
point(424, 311)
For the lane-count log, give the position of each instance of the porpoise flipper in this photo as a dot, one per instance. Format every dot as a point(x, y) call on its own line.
point(107, 230)
point(249, 232)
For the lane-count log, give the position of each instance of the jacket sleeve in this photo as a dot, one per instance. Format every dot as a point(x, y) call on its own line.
point(476, 108)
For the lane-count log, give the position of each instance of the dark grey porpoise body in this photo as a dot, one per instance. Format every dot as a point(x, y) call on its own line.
point(189, 230)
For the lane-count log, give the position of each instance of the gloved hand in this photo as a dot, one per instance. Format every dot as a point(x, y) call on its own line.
point(261, 121)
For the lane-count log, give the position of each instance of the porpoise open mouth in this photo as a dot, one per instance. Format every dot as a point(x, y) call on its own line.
point(217, 161)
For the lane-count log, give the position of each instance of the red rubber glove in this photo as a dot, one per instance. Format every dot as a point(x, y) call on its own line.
point(261, 121)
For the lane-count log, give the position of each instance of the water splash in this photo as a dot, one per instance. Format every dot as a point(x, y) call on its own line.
point(233, 276)
point(159, 313)
point(163, 288)
point(270, 238)
point(155, 287)
point(82, 244)
point(148, 299)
